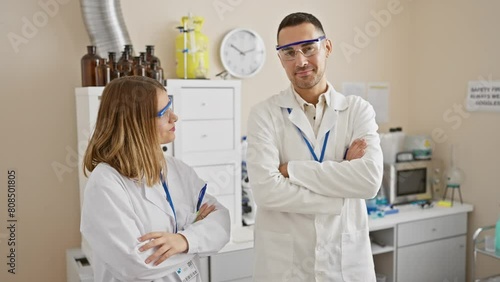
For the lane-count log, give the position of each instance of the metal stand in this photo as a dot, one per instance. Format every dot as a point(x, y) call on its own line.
point(478, 248)
point(453, 187)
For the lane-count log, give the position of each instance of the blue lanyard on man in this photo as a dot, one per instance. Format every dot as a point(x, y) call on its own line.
point(322, 156)
point(169, 199)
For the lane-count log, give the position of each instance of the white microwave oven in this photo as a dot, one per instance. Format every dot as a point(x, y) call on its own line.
point(411, 181)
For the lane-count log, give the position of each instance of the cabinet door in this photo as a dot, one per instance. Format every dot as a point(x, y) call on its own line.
point(437, 261)
point(232, 266)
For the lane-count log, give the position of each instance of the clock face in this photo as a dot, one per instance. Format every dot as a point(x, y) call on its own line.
point(242, 52)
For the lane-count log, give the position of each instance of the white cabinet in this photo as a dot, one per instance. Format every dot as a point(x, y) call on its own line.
point(421, 244)
point(439, 260)
point(208, 136)
point(232, 266)
point(432, 249)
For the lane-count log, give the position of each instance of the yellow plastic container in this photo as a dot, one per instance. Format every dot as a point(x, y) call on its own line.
point(191, 49)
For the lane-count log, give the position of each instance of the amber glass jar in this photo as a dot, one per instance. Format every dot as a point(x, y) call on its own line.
point(124, 65)
point(139, 69)
point(143, 59)
point(111, 58)
point(155, 72)
point(130, 50)
point(114, 72)
point(150, 55)
point(103, 73)
point(89, 62)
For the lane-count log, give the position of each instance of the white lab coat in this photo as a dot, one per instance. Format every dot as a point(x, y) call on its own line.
point(312, 226)
point(118, 210)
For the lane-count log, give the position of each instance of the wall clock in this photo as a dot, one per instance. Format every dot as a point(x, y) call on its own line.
point(242, 52)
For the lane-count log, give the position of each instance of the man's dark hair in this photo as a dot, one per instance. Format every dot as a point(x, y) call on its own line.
point(295, 19)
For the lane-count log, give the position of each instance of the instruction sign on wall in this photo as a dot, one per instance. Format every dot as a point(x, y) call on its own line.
point(483, 96)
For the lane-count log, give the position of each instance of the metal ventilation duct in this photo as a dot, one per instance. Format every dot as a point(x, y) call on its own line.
point(105, 25)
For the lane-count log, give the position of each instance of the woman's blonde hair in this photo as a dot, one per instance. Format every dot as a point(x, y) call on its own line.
point(125, 135)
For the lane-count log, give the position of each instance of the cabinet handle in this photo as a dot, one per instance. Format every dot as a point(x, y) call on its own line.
point(204, 136)
point(203, 104)
point(434, 229)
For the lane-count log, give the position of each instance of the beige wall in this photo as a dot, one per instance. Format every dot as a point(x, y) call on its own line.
point(413, 52)
point(453, 42)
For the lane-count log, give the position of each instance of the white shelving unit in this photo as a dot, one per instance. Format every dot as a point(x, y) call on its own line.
point(421, 244)
point(209, 135)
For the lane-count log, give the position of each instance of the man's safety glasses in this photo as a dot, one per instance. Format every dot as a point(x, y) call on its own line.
point(308, 48)
point(166, 112)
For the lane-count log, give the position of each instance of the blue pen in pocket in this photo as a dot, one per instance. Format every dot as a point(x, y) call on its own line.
point(200, 197)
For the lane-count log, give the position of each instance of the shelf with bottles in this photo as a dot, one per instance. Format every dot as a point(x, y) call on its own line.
point(97, 71)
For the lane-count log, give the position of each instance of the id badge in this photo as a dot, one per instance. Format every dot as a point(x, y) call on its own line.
point(187, 272)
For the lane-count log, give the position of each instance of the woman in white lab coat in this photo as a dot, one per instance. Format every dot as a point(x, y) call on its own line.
point(144, 216)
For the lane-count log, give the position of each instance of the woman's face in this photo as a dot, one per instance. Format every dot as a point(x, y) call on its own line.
point(166, 118)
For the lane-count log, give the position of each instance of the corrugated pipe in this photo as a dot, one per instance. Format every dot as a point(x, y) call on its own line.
point(105, 25)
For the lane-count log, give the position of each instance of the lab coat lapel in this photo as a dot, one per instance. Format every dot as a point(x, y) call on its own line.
point(327, 123)
point(158, 198)
point(336, 116)
point(299, 119)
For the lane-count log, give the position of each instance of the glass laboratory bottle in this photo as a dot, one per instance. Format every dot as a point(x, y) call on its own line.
point(114, 72)
point(102, 73)
point(155, 72)
point(191, 49)
point(129, 49)
point(143, 59)
point(150, 55)
point(111, 58)
point(124, 65)
point(139, 69)
point(111, 62)
point(88, 63)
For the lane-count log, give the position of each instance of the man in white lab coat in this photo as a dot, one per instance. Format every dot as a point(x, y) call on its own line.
point(312, 222)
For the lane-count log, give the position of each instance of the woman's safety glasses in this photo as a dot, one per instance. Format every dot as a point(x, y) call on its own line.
point(166, 112)
point(308, 48)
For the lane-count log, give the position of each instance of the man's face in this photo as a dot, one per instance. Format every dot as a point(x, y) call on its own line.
point(303, 72)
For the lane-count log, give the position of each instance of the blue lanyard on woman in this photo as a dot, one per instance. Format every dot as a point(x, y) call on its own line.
point(169, 199)
point(310, 146)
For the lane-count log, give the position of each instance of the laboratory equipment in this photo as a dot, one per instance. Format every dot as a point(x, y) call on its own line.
point(191, 47)
point(454, 177)
point(88, 63)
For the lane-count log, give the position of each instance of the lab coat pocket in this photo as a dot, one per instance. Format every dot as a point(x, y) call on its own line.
point(275, 253)
point(357, 260)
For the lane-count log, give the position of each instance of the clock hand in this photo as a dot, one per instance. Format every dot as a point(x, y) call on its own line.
point(241, 52)
point(249, 50)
